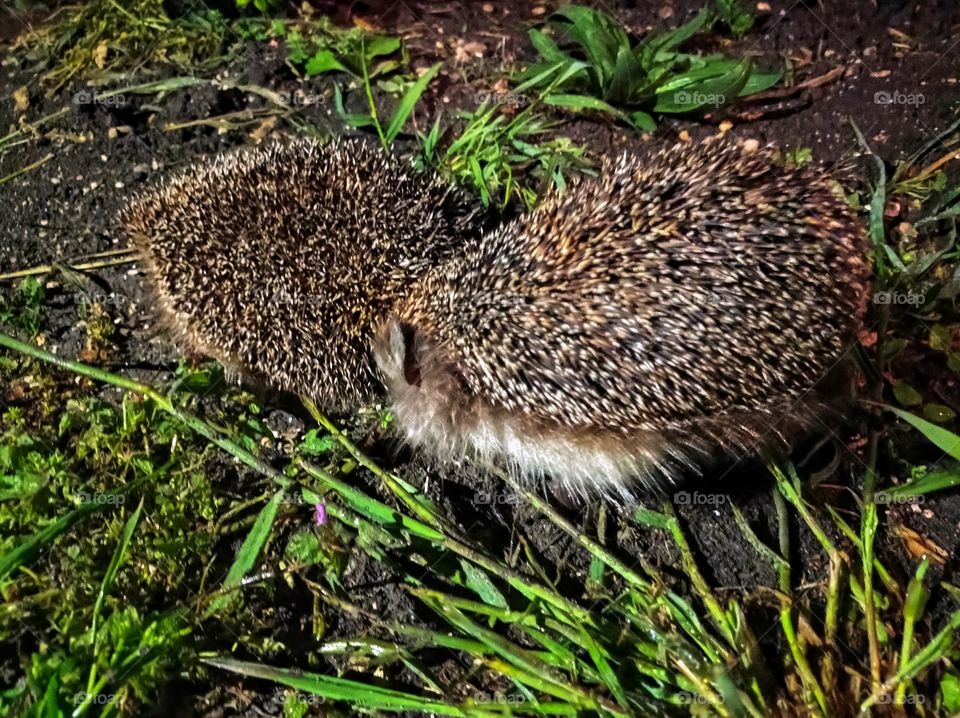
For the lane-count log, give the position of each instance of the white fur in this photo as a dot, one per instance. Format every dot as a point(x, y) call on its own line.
point(438, 418)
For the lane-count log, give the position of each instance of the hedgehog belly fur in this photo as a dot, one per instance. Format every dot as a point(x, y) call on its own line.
point(433, 415)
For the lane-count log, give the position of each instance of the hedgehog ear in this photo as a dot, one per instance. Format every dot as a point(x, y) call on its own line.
point(412, 355)
point(399, 350)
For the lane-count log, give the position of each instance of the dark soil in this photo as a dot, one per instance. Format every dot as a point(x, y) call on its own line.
point(65, 209)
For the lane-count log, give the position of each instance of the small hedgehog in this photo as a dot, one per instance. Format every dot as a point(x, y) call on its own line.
point(280, 262)
point(631, 326)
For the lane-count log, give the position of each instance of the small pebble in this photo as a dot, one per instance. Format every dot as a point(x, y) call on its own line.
point(487, 7)
point(538, 11)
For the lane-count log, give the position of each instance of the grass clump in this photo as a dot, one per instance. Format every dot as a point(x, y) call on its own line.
point(316, 46)
point(607, 72)
point(104, 39)
point(502, 157)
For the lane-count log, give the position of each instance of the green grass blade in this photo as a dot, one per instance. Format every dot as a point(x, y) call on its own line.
point(583, 102)
point(360, 695)
point(878, 203)
point(606, 672)
point(934, 481)
point(246, 557)
point(408, 102)
point(114, 566)
point(673, 39)
point(946, 441)
point(28, 550)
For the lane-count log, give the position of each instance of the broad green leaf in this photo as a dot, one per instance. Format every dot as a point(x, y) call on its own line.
point(379, 46)
point(598, 34)
point(712, 92)
point(324, 61)
point(547, 48)
point(760, 81)
point(938, 413)
point(480, 583)
point(714, 67)
point(907, 395)
point(653, 519)
point(644, 121)
point(627, 73)
point(950, 690)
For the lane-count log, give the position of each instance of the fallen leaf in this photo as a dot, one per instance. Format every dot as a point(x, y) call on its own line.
point(100, 55)
point(21, 100)
point(920, 546)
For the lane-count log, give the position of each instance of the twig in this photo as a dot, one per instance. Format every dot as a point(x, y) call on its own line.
point(83, 266)
point(24, 170)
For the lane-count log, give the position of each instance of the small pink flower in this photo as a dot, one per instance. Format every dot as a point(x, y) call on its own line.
point(320, 514)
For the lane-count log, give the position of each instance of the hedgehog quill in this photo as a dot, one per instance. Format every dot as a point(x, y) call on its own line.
point(629, 328)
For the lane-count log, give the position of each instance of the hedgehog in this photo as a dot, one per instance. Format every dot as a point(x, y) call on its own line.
point(281, 262)
point(696, 302)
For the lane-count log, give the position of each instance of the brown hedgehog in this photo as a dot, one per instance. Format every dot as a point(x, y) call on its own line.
point(628, 327)
point(280, 262)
